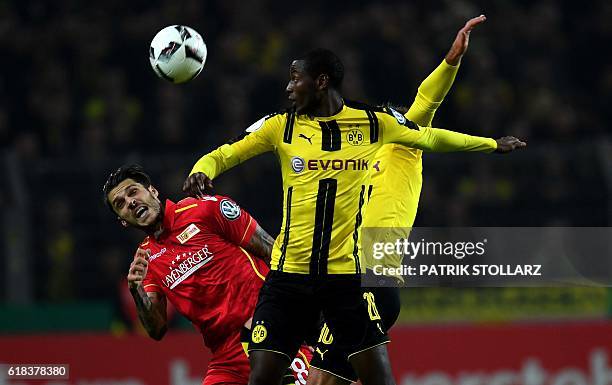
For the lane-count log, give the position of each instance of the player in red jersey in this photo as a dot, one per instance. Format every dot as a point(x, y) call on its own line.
point(207, 257)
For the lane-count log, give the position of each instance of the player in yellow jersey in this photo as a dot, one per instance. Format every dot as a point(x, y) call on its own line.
point(325, 145)
point(396, 186)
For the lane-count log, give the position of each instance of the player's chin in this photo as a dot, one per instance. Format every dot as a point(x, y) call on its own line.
point(147, 219)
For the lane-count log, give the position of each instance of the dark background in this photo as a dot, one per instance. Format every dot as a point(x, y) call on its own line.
point(78, 98)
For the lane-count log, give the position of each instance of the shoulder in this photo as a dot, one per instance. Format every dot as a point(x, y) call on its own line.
point(188, 210)
point(385, 114)
point(363, 106)
point(211, 206)
point(227, 207)
point(392, 115)
point(272, 121)
point(186, 204)
point(274, 117)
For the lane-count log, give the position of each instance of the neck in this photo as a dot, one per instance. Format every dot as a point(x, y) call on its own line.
point(330, 104)
point(156, 228)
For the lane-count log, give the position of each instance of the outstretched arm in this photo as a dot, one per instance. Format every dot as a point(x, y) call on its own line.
point(259, 138)
point(435, 87)
point(440, 140)
point(151, 307)
point(397, 129)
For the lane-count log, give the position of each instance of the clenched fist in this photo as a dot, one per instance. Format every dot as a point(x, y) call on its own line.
point(138, 268)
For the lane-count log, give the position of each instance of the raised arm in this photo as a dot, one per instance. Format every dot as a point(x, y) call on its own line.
point(151, 307)
point(435, 87)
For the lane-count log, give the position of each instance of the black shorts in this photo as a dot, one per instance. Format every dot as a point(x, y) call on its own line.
point(290, 306)
point(331, 358)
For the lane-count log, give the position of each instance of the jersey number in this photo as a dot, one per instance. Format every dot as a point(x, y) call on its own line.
point(372, 311)
point(300, 371)
point(325, 337)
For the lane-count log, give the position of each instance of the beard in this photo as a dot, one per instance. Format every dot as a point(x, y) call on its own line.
point(156, 225)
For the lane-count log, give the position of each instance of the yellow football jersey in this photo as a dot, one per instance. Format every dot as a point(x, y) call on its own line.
point(396, 177)
point(325, 163)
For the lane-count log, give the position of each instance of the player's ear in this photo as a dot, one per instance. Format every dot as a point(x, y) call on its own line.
point(154, 191)
point(322, 82)
point(123, 222)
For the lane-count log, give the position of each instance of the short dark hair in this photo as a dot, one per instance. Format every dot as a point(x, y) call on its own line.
point(127, 171)
point(323, 61)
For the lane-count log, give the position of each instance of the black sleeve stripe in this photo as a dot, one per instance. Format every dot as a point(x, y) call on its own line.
point(412, 125)
point(408, 123)
point(363, 106)
point(373, 125)
point(238, 138)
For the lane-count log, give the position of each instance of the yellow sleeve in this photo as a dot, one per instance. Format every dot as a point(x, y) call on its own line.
point(261, 137)
point(431, 94)
point(398, 129)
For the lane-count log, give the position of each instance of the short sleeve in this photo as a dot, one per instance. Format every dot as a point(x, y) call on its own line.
point(231, 222)
point(150, 284)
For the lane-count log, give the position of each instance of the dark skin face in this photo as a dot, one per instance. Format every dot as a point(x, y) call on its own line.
point(312, 96)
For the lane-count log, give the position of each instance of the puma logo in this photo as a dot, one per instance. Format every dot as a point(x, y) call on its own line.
point(320, 352)
point(307, 138)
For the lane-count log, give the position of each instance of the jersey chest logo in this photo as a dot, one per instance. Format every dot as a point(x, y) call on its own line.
point(188, 233)
point(308, 138)
point(354, 136)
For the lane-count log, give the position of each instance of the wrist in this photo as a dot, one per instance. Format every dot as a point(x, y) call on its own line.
point(453, 60)
point(134, 286)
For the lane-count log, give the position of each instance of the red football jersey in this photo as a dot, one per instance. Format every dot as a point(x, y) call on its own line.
point(199, 264)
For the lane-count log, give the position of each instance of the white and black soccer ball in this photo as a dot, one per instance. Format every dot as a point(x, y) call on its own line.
point(177, 53)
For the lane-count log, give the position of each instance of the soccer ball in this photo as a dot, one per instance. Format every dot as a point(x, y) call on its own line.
point(177, 53)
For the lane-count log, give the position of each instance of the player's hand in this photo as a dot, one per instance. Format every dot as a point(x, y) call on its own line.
point(197, 185)
point(509, 144)
point(138, 268)
point(460, 45)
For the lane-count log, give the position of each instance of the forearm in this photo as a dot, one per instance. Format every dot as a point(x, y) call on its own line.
point(261, 244)
point(440, 140)
point(150, 316)
point(436, 86)
point(431, 94)
point(216, 162)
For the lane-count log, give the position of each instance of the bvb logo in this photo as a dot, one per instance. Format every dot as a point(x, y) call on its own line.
point(354, 137)
point(259, 333)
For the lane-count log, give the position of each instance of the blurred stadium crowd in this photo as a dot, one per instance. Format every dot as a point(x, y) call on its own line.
point(78, 99)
